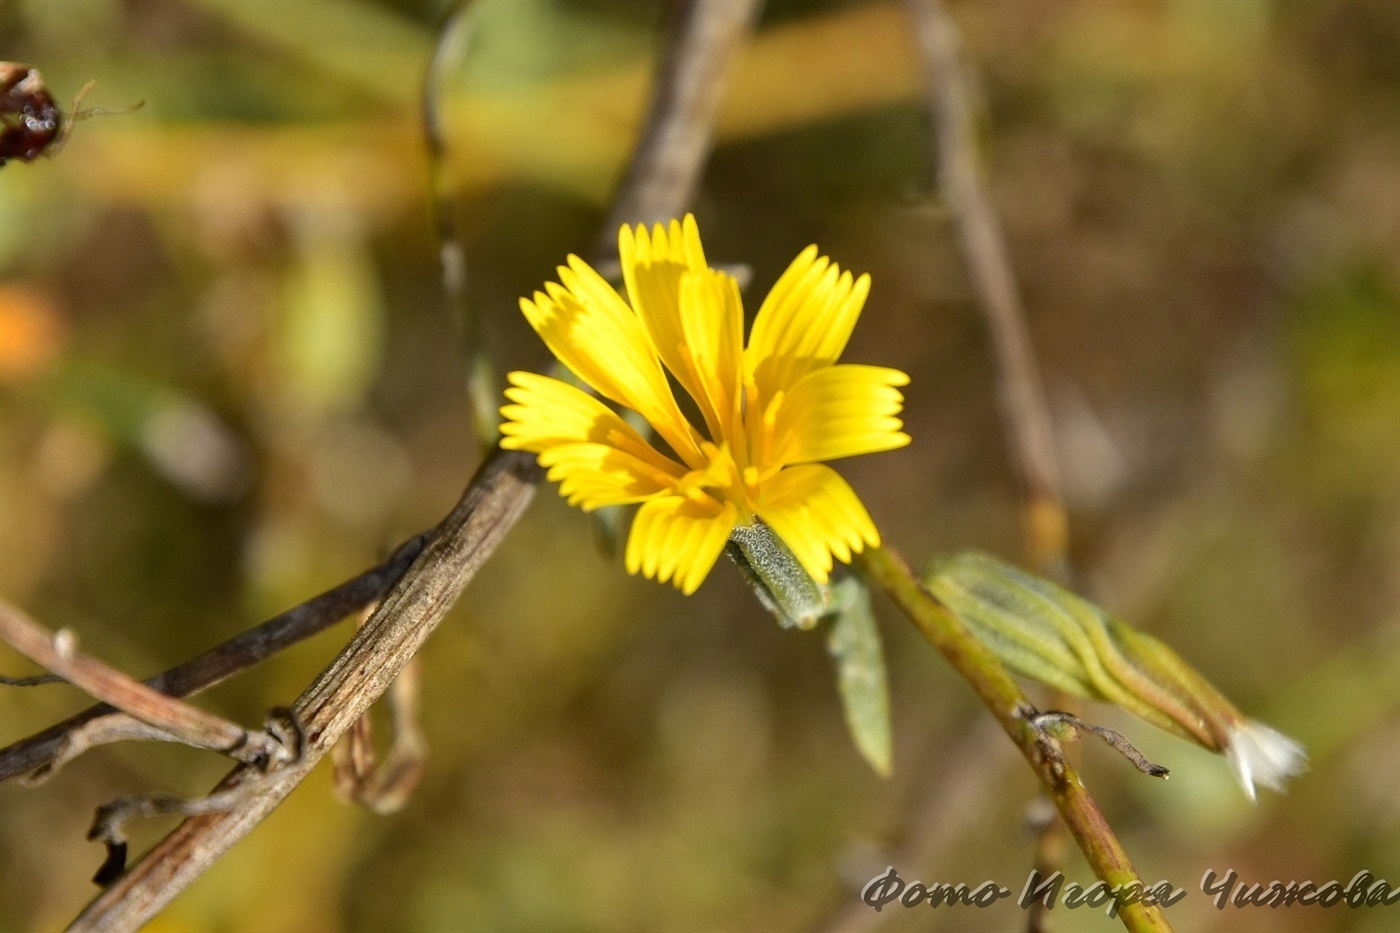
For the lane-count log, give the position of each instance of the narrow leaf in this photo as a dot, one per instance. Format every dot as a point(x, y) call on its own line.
point(854, 642)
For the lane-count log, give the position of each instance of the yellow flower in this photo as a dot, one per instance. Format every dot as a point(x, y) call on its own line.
point(770, 409)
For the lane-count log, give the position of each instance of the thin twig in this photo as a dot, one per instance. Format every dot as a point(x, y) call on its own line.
point(665, 168)
point(224, 660)
point(493, 501)
point(104, 730)
point(384, 786)
point(111, 817)
point(481, 385)
point(1066, 727)
point(975, 662)
point(179, 721)
point(1024, 411)
point(37, 680)
point(1025, 415)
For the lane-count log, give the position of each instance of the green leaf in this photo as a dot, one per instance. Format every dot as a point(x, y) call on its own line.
point(854, 642)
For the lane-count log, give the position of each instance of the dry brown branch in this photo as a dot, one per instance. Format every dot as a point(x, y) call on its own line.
point(493, 501)
point(457, 31)
point(1022, 398)
point(171, 718)
point(665, 168)
point(384, 786)
point(1029, 431)
point(111, 817)
point(224, 660)
point(109, 823)
point(104, 730)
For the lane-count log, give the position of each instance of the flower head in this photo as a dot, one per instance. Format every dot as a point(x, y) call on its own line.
point(767, 411)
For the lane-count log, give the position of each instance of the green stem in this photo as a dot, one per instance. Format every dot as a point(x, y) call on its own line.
point(990, 680)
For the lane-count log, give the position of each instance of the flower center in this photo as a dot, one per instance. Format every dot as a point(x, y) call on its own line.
point(721, 478)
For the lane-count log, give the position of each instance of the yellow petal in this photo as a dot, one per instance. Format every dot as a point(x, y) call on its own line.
point(547, 413)
point(712, 319)
point(593, 475)
point(653, 265)
point(817, 515)
point(804, 323)
point(588, 326)
point(679, 538)
point(838, 411)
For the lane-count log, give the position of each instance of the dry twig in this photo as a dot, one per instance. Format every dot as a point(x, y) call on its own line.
point(1029, 434)
point(104, 730)
point(111, 817)
point(494, 500)
point(1029, 431)
point(167, 717)
point(384, 786)
point(1067, 726)
point(481, 385)
point(44, 749)
point(665, 167)
point(38, 680)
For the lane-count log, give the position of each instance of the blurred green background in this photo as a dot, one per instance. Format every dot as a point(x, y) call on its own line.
point(228, 381)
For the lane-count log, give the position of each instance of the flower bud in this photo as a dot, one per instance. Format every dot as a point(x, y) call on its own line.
point(1049, 634)
point(783, 585)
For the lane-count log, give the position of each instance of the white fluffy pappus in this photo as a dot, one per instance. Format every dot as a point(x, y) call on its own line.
point(1260, 754)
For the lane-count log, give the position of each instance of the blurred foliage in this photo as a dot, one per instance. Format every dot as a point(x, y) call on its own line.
point(227, 381)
